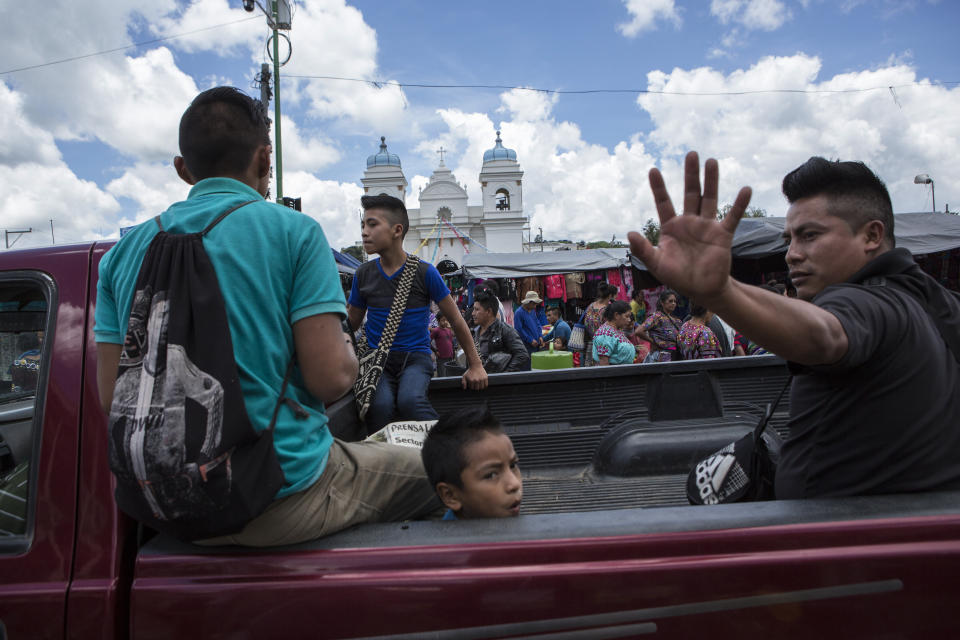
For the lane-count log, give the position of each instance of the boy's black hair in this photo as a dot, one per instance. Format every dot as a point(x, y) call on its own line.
point(220, 131)
point(394, 208)
point(443, 449)
point(487, 300)
point(856, 194)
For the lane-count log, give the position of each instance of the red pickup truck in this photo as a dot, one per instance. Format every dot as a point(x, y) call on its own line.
point(606, 546)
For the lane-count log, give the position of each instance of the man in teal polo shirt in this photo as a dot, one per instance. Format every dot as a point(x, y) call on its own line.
point(282, 296)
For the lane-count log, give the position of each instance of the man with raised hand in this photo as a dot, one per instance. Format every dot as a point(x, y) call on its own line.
point(874, 406)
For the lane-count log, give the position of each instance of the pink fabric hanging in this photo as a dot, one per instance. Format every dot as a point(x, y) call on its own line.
point(628, 281)
point(555, 286)
point(507, 311)
point(613, 277)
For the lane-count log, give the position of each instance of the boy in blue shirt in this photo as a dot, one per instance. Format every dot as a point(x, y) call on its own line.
point(402, 391)
point(471, 463)
point(560, 334)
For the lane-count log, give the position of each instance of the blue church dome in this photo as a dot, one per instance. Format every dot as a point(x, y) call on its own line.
point(499, 152)
point(383, 158)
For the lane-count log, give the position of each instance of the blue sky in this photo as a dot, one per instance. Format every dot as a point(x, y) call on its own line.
point(89, 143)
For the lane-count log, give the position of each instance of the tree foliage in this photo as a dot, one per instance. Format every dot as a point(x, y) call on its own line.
point(354, 252)
point(651, 231)
point(751, 212)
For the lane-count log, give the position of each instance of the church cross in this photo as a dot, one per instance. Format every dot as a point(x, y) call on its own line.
point(441, 151)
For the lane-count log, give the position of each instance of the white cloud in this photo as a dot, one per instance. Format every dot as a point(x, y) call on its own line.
point(130, 103)
point(305, 151)
point(37, 186)
point(34, 194)
point(22, 141)
point(766, 15)
point(645, 13)
point(335, 205)
point(249, 32)
point(152, 186)
point(329, 38)
point(758, 138)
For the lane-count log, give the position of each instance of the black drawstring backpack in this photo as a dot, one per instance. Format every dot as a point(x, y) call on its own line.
point(186, 459)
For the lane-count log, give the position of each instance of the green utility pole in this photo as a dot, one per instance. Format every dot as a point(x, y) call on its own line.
point(276, 101)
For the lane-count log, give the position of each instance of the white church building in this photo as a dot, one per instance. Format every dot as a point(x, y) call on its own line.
point(444, 224)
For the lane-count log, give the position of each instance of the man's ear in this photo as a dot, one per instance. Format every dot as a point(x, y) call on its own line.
point(263, 160)
point(181, 166)
point(874, 234)
point(449, 495)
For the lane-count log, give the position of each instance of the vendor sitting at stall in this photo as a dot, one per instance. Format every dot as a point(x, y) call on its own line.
point(560, 333)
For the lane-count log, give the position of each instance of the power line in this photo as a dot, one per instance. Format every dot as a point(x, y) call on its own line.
point(419, 85)
point(129, 46)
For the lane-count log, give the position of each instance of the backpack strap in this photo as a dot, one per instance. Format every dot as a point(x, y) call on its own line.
point(283, 399)
point(399, 303)
point(220, 217)
point(215, 222)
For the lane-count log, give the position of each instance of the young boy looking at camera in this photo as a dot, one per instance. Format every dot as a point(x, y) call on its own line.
point(471, 463)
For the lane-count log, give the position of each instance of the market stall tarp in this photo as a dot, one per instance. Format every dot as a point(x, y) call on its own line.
point(542, 263)
point(920, 233)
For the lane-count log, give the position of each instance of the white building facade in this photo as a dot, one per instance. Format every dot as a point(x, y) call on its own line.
point(444, 226)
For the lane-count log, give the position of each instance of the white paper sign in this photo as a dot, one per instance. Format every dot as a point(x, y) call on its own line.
point(406, 433)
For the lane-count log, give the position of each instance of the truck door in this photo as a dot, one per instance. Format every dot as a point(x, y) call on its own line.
point(41, 331)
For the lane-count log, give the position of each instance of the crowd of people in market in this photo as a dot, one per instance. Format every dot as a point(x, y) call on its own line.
point(649, 325)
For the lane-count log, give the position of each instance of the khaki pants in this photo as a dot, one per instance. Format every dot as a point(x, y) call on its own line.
point(362, 482)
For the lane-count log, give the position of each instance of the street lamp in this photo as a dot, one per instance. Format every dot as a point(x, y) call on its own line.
point(923, 178)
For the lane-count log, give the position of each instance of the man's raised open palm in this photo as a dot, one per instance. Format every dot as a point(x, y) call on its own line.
point(694, 252)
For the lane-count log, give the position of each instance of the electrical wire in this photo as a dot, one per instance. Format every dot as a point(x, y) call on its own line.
point(420, 85)
point(125, 47)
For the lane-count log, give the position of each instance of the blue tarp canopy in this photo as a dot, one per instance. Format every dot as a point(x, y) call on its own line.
point(345, 263)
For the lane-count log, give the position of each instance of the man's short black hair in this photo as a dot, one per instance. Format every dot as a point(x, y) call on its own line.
point(487, 300)
point(443, 450)
point(220, 131)
point(856, 194)
point(396, 210)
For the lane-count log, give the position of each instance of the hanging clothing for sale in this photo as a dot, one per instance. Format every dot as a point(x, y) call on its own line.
point(627, 273)
point(614, 278)
point(555, 287)
point(591, 284)
point(651, 297)
point(530, 283)
point(574, 283)
point(506, 307)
